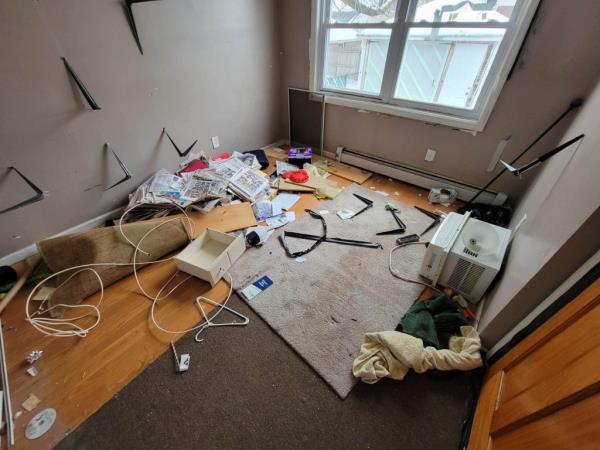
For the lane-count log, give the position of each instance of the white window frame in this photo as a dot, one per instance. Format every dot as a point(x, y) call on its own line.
point(473, 120)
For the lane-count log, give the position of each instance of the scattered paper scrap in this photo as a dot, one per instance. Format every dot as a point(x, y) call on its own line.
point(323, 212)
point(256, 288)
point(280, 220)
point(385, 194)
point(30, 402)
point(263, 209)
point(396, 193)
point(34, 355)
point(345, 214)
point(283, 167)
point(32, 371)
point(285, 200)
point(300, 259)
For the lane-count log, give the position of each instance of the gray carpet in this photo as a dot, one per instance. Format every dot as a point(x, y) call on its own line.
point(323, 307)
point(247, 389)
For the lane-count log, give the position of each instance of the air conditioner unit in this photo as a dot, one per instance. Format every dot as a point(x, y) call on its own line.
point(465, 254)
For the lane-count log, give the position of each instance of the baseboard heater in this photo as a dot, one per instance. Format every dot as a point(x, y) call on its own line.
point(412, 175)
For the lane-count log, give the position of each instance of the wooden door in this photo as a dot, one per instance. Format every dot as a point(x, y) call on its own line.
point(544, 393)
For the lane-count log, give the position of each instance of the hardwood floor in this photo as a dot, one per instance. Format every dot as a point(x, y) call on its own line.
point(77, 376)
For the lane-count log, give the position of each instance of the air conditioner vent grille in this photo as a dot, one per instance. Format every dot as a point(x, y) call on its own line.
point(472, 278)
point(465, 276)
point(470, 252)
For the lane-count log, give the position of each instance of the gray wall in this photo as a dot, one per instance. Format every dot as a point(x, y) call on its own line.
point(209, 68)
point(560, 62)
point(561, 231)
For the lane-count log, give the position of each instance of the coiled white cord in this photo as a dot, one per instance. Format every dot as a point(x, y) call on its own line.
point(67, 327)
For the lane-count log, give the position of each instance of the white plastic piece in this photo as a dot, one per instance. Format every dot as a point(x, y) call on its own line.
point(40, 424)
point(345, 214)
point(498, 154)
point(430, 154)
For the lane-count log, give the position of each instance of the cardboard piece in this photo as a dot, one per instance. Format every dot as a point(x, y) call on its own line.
point(209, 256)
point(342, 170)
point(285, 185)
point(224, 218)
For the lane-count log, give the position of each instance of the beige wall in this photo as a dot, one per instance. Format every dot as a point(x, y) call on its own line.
point(560, 62)
point(209, 68)
point(561, 230)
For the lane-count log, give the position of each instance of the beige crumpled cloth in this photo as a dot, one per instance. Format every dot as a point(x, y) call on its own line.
point(392, 354)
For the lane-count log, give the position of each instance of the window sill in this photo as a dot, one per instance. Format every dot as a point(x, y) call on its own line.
point(470, 125)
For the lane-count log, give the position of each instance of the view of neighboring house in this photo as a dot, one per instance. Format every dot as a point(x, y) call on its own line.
point(440, 65)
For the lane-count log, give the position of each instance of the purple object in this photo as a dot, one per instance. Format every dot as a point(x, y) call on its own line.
point(299, 156)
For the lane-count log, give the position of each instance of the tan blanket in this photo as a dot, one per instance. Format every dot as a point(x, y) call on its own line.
point(392, 354)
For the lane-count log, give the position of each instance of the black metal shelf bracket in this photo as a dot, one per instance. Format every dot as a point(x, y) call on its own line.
point(131, 19)
point(179, 152)
point(84, 91)
point(127, 173)
point(39, 194)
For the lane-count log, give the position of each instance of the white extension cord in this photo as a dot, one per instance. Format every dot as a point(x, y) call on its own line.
point(66, 327)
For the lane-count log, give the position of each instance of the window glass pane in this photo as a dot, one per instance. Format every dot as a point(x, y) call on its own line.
point(362, 11)
point(355, 59)
point(447, 66)
point(480, 11)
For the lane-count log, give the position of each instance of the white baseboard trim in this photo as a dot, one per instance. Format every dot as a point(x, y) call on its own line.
point(414, 176)
point(30, 250)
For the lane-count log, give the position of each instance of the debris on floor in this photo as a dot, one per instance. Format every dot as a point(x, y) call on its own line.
point(443, 195)
point(33, 356)
point(30, 402)
point(40, 424)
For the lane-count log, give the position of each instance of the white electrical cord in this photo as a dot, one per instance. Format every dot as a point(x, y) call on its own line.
point(66, 327)
point(403, 278)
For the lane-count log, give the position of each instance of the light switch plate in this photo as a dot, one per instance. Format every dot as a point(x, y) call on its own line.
point(215, 142)
point(430, 155)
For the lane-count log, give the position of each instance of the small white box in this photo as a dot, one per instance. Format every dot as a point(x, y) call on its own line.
point(210, 255)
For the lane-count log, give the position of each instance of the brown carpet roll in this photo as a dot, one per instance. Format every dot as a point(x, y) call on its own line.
point(105, 245)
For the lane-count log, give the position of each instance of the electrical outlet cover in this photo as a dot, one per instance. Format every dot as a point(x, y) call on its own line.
point(215, 142)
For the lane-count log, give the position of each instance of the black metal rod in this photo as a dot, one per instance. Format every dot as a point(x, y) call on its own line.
point(341, 241)
point(39, 194)
point(547, 155)
point(574, 105)
point(126, 171)
point(179, 152)
point(84, 91)
point(131, 19)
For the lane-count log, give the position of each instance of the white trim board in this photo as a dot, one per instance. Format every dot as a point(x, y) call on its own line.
point(30, 250)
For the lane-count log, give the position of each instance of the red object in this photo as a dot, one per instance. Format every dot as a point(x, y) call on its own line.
point(298, 176)
point(196, 164)
point(221, 156)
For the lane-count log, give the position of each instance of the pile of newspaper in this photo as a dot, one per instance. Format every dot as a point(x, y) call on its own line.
point(203, 189)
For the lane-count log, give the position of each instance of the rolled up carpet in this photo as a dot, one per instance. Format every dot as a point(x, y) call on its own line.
point(105, 245)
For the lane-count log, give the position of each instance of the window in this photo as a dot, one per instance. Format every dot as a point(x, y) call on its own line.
point(443, 61)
